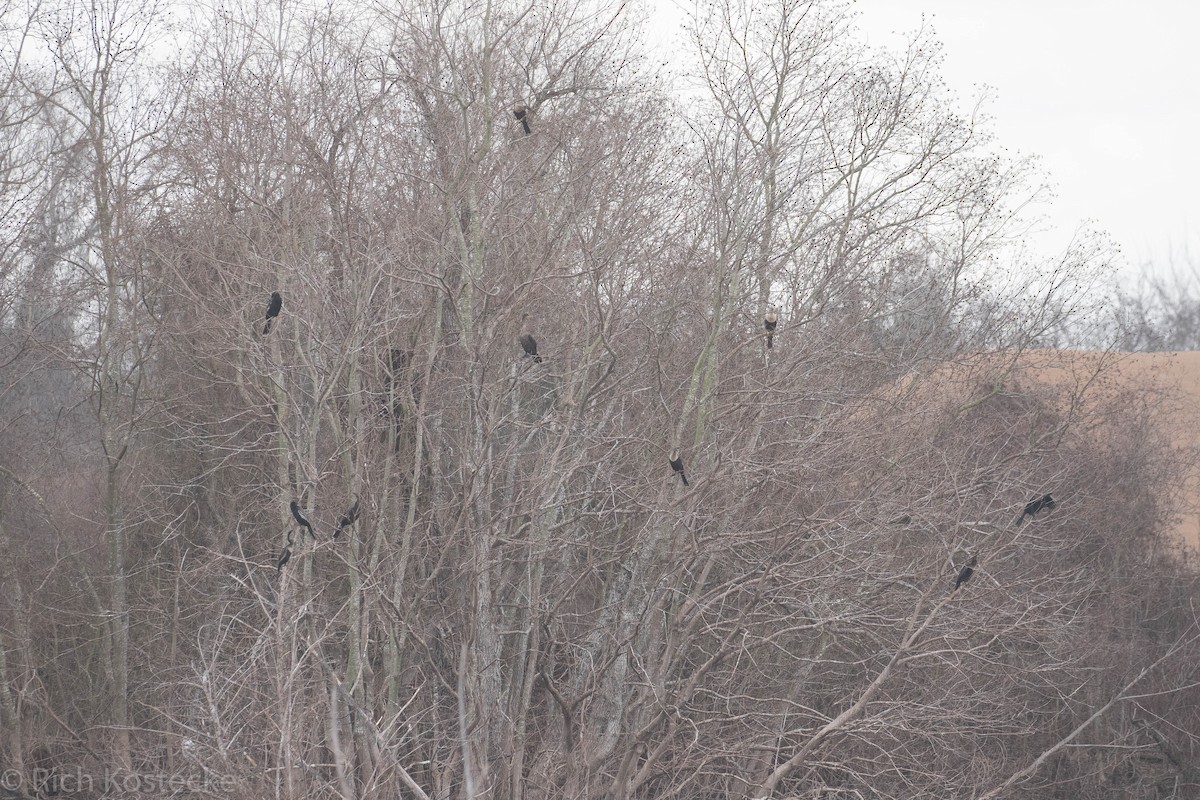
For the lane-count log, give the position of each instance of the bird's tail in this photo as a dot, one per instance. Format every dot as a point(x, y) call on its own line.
point(525, 125)
point(770, 340)
point(684, 477)
point(267, 328)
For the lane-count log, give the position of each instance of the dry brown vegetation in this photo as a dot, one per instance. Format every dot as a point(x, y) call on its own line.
point(532, 604)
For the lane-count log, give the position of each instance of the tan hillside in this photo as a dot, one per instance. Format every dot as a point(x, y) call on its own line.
point(1091, 388)
point(1168, 384)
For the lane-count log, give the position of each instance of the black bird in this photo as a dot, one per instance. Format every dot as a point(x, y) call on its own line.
point(1036, 506)
point(769, 322)
point(521, 112)
point(299, 515)
point(676, 463)
point(285, 556)
point(965, 573)
point(528, 343)
point(273, 309)
point(348, 519)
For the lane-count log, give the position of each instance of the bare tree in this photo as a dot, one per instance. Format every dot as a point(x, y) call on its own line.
point(527, 601)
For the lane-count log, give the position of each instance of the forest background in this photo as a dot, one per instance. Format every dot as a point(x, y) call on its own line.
point(530, 603)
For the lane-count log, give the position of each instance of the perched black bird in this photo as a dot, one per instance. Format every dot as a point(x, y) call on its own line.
point(521, 112)
point(348, 519)
point(1036, 506)
point(676, 462)
point(965, 573)
point(770, 321)
point(273, 309)
point(528, 343)
point(285, 556)
point(299, 515)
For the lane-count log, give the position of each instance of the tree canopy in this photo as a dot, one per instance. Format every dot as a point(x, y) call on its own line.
point(525, 601)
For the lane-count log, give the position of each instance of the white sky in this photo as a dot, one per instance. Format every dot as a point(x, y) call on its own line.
point(1107, 93)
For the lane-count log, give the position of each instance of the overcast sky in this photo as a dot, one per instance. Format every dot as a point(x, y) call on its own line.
point(1108, 93)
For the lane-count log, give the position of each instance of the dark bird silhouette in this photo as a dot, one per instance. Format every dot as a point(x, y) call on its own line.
point(347, 519)
point(676, 462)
point(965, 573)
point(1036, 506)
point(770, 321)
point(273, 309)
point(521, 112)
point(528, 343)
point(303, 520)
point(285, 556)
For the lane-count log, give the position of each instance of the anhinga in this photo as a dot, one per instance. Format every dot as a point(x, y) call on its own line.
point(528, 343)
point(770, 321)
point(521, 112)
point(1035, 506)
point(286, 555)
point(965, 573)
point(303, 520)
point(348, 519)
point(676, 462)
point(273, 309)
